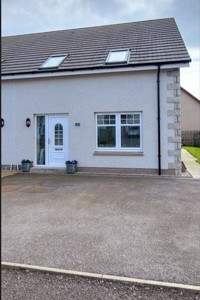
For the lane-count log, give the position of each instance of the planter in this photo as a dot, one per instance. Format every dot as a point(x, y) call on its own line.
point(26, 167)
point(76, 168)
point(70, 168)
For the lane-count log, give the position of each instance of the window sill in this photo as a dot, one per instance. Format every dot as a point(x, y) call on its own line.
point(117, 153)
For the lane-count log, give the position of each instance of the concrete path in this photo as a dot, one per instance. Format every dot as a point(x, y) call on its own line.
point(144, 228)
point(191, 165)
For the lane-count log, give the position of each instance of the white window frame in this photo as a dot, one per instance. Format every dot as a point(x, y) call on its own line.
point(62, 56)
point(118, 126)
point(57, 135)
point(125, 61)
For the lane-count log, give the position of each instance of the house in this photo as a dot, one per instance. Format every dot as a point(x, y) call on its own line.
point(190, 119)
point(190, 111)
point(107, 96)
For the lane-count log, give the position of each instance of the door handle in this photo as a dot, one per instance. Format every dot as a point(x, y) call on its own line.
point(48, 140)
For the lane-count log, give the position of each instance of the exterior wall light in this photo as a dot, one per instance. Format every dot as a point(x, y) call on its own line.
point(28, 122)
point(2, 122)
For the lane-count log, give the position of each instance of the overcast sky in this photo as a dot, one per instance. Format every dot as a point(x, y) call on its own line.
point(28, 16)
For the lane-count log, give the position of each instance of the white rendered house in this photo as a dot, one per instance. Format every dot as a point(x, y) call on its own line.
point(106, 96)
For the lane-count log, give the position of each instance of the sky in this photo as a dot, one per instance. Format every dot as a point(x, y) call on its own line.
point(30, 16)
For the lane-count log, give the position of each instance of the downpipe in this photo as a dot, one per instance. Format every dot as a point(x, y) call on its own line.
point(158, 118)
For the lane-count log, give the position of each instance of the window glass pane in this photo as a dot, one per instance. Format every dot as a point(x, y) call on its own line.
point(112, 119)
point(53, 61)
point(41, 140)
point(58, 134)
point(130, 136)
point(117, 56)
point(105, 119)
point(127, 119)
point(136, 118)
point(100, 119)
point(106, 136)
point(123, 119)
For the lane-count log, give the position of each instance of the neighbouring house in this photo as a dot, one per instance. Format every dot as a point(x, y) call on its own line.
point(107, 96)
point(190, 111)
point(190, 119)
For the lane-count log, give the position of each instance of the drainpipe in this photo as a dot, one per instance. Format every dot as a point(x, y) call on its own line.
point(158, 118)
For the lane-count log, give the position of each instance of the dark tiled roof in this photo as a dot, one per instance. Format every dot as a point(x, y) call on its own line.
point(150, 42)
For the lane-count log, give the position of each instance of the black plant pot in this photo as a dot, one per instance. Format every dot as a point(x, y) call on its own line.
point(26, 167)
point(76, 168)
point(70, 168)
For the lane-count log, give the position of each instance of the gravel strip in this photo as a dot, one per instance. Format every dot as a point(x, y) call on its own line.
point(25, 284)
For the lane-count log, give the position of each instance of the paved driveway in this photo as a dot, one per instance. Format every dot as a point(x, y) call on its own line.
point(139, 227)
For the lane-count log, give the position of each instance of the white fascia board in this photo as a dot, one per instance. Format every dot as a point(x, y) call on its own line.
point(172, 66)
point(91, 72)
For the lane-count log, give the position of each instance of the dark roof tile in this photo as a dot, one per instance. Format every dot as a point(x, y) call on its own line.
point(154, 41)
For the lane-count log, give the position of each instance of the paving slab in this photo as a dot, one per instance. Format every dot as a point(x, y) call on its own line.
point(137, 227)
point(11, 187)
point(190, 163)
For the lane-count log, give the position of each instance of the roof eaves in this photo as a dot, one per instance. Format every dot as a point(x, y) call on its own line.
point(105, 66)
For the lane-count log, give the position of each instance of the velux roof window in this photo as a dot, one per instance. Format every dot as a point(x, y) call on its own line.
point(53, 61)
point(117, 56)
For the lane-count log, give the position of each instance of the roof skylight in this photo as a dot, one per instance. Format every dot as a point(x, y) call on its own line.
point(118, 56)
point(53, 61)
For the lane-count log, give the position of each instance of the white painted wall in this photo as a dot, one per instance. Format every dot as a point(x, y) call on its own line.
point(81, 97)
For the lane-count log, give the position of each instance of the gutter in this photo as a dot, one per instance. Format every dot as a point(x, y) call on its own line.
point(158, 118)
point(100, 68)
point(63, 73)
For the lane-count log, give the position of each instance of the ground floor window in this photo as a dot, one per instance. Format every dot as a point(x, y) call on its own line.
point(119, 131)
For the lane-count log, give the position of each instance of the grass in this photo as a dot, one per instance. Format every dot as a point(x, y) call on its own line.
point(195, 151)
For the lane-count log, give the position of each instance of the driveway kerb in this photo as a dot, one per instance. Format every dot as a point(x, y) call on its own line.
point(99, 276)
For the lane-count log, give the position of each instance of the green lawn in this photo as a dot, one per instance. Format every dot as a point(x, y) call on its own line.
point(195, 151)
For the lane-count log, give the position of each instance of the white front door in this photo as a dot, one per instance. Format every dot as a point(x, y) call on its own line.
point(57, 140)
point(51, 140)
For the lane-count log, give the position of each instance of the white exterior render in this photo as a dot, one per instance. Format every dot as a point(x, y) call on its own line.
point(78, 99)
